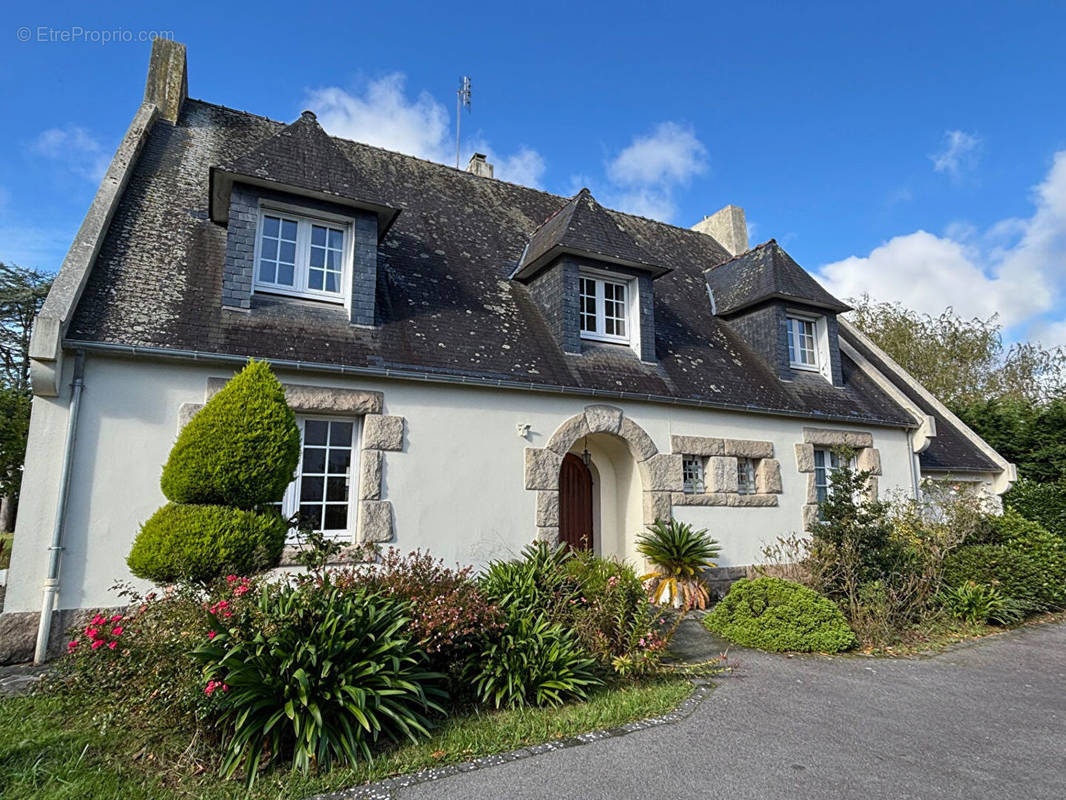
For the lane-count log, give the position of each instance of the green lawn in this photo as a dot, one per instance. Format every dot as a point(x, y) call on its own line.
point(5, 549)
point(55, 747)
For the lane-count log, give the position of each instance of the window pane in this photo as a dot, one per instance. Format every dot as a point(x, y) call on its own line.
point(318, 257)
point(267, 271)
point(336, 239)
point(340, 433)
point(314, 460)
point(315, 431)
point(288, 230)
point(339, 460)
point(336, 518)
point(333, 260)
point(588, 305)
point(271, 226)
point(337, 489)
point(269, 248)
point(287, 252)
point(314, 279)
point(332, 284)
point(311, 515)
point(285, 274)
point(311, 489)
point(318, 235)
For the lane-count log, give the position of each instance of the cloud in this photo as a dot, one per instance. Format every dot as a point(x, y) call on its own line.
point(645, 175)
point(76, 148)
point(958, 154)
point(381, 113)
point(1014, 268)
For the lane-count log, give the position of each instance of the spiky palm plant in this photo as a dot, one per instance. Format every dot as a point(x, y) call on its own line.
point(679, 556)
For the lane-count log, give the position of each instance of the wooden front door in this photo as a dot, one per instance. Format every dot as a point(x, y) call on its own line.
point(575, 503)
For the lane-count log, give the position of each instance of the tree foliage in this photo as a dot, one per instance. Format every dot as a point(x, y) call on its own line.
point(22, 293)
point(962, 361)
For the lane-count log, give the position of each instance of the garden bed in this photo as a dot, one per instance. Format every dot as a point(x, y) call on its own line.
point(70, 747)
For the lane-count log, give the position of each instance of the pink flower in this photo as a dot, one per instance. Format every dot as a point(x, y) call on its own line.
point(117, 630)
point(72, 645)
point(232, 579)
point(112, 645)
point(97, 644)
point(116, 618)
point(98, 620)
point(242, 589)
point(211, 634)
point(91, 632)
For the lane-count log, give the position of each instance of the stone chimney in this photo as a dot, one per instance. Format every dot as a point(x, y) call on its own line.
point(728, 227)
point(168, 81)
point(479, 166)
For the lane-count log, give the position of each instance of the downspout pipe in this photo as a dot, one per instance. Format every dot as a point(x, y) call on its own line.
point(55, 549)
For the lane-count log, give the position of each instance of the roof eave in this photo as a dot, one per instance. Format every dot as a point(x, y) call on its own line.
point(837, 308)
point(222, 181)
point(526, 271)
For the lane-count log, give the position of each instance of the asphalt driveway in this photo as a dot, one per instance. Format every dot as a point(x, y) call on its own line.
point(985, 720)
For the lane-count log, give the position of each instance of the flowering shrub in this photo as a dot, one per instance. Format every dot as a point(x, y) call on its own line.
point(449, 616)
point(102, 631)
point(315, 673)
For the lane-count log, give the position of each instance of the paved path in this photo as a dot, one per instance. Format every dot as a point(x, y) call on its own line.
point(984, 720)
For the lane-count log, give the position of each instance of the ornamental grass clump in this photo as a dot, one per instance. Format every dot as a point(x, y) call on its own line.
point(774, 614)
point(316, 676)
point(231, 462)
point(679, 556)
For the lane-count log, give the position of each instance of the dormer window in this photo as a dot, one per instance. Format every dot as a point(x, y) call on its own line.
point(802, 349)
point(302, 256)
point(604, 309)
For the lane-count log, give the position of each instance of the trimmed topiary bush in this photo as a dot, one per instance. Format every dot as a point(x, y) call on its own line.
point(199, 543)
point(774, 614)
point(240, 450)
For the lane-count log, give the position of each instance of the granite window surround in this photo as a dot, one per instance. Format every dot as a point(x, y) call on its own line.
point(361, 268)
point(721, 459)
point(380, 434)
point(867, 459)
point(557, 292)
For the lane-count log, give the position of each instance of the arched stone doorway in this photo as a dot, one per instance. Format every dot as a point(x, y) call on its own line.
point(623, 445)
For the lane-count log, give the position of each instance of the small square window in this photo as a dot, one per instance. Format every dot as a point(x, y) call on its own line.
point(604, 309)
point(301, 256)
point(745, 476)
point(692, 474)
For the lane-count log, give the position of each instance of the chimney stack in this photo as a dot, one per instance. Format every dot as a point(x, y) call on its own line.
point(168, 82)
point(728, 227)
point(479, 166)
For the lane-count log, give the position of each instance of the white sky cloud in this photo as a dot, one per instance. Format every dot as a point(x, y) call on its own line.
point(383, 114)
point(1016, 267)
point(958, 154)
point(76, 148)
point(646, 174)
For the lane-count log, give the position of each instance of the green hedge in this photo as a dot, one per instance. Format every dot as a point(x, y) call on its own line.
point(775, 614)
point(240, 450)
point(1013, 573)
point(199, 543)
point(1043, 502)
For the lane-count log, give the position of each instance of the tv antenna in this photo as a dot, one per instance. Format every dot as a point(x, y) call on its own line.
point(462, 99)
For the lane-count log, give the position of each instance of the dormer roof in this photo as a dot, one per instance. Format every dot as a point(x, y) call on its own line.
point(301, 159)
point(583, 227)
point(766, 272)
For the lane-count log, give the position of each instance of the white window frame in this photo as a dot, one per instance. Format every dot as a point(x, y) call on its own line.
point(795, 338)
point(304, 220)
point(820, 332)
point(746, 468)
point(831, 462)
point(629, 303)
point(696, 484)
point(290, 503)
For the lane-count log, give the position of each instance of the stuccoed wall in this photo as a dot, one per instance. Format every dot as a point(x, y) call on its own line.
point(456, 487)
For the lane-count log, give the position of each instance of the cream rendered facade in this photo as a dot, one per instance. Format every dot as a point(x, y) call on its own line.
point(457, 486)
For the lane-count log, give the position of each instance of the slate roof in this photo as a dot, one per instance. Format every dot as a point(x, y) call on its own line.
point(766, 272)
point(301, 156)
point(447, 306)
point(584, 227)
point(950, 450)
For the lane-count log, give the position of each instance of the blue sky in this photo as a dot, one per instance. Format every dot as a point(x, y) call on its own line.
point(916, 151)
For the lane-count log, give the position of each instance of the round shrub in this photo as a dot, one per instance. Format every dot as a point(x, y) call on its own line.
point(1013, 573)
point(774, 614)
point(316, 676)
point(241, 449)
point(200, 543)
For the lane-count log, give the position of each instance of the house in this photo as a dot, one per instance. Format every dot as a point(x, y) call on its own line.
point(474, 364)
